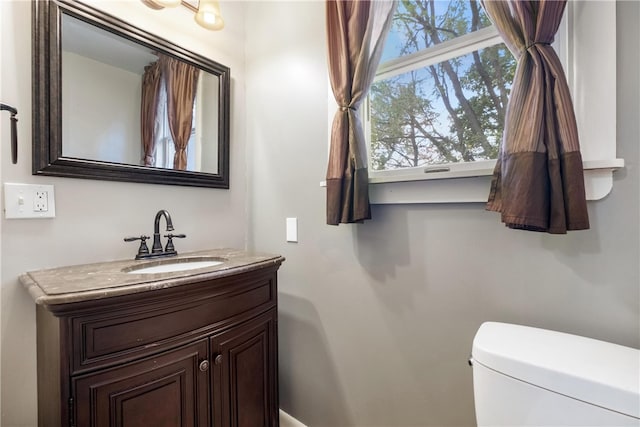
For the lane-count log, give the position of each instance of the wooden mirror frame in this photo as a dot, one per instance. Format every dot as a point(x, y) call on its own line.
point(47, 101)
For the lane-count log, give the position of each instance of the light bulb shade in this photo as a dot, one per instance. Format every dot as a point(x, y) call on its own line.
point(168, 3)
point(208, 15)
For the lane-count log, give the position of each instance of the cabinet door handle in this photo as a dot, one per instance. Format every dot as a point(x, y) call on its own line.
point(204, 365)
point(218, 359)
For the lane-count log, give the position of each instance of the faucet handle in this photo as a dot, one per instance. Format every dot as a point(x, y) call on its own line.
point(133, 239)
point(169, 248)
point(175, 236)
point(143, 249)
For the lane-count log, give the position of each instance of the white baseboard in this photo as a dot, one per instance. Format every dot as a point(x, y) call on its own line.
point(287, 420)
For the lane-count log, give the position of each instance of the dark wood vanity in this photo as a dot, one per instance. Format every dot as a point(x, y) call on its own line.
point(188, 350)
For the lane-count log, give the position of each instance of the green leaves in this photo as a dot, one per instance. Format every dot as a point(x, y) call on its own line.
point(450, 111)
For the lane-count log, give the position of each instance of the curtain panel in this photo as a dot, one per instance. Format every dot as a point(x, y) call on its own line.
point(538, 182)
point(148, 111)
point(355, 37)
point(181, 81)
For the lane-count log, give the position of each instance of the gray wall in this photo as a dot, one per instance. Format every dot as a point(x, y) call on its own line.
point(376, 320)
point(94, 216)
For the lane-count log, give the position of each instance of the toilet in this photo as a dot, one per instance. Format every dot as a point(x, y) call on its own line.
point(524, 376)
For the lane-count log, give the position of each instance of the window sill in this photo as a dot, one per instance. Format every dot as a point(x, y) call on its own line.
point(468, 183)
point(468, 170)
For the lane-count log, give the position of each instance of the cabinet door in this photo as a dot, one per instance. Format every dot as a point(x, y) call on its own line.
point(168, 390)
point(245, 374)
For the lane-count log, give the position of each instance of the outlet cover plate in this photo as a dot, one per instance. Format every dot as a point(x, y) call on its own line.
point(29, 201)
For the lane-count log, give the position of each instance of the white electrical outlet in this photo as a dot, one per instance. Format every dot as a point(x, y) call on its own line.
point(41, 201)
point(29, 201)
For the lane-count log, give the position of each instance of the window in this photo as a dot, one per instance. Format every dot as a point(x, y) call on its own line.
point(442, 87)
point(445, 73)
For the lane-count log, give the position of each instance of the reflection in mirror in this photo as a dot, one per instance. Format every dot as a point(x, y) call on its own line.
point(102, 86)
point(129, 107)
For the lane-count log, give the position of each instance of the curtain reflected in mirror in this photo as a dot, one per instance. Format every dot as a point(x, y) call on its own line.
point(151, 83)
point(180, 83)
point(128, 104)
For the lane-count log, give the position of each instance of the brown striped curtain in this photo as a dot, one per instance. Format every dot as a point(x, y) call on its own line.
point(148, 111)
point(538, 182)
point(355, 36)
point(181, 81)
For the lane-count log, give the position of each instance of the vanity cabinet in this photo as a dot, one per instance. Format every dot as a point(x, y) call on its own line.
point(202, 353)
point(165, 390)
point(245, 374)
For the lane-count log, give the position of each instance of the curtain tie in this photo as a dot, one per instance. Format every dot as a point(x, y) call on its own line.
point(540, 43)
point(346, 108)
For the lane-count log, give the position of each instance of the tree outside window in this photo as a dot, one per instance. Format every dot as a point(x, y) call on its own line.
point(439, 109)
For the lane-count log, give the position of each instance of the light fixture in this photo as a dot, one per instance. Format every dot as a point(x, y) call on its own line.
point(152, 4)
point(165, 3)
point(208, 15)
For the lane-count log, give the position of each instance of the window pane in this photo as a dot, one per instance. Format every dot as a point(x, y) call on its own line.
point(449, 112)
point(421, 24)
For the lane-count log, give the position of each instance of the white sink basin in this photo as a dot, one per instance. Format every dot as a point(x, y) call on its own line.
point(173, 266)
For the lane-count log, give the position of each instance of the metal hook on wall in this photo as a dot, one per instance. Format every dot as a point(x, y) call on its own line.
point(14, 131)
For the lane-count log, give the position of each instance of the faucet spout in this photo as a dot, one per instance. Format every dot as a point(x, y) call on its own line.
point(156, 222)
point(157, 246)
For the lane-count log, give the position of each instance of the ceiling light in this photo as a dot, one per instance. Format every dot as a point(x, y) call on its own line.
point(208, 15)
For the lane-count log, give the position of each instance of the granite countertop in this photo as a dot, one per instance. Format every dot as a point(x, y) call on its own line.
point(107, 279)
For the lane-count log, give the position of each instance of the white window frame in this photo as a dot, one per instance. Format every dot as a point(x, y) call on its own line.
point(459, 46)
point(589, 59)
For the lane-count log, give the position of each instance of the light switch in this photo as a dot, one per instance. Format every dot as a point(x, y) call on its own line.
point(29, 201)
point(292, 229)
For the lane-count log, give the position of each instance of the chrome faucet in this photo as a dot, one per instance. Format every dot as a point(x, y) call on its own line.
point(156, 249)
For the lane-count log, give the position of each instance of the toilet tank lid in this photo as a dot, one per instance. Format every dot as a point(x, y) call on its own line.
point(597, 372)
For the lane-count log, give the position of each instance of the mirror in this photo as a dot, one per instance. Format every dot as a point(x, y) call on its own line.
point(113, 102)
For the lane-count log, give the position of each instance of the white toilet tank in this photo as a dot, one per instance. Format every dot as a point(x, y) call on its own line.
point(525, 376)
